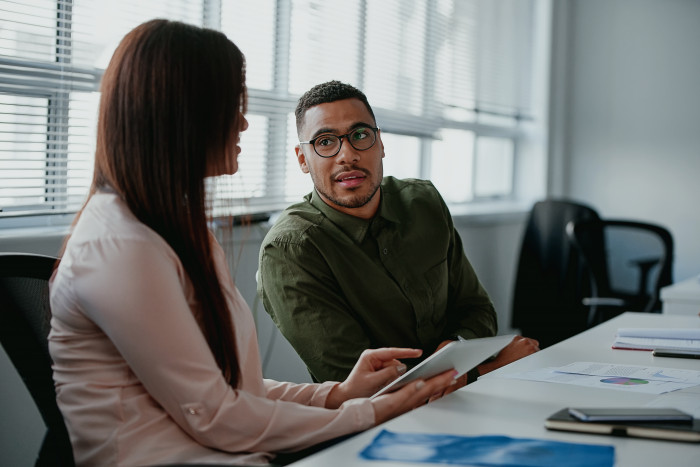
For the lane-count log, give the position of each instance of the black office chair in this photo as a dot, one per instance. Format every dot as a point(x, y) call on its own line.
point(550, 281)
point(628, 263)
point(24, 329)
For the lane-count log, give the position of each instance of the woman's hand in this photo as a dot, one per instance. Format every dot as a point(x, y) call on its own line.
point(374, 369)
point(415, 394)
point(458, 382)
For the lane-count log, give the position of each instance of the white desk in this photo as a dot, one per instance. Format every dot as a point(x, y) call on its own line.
point(518, 408)
point(682, 298)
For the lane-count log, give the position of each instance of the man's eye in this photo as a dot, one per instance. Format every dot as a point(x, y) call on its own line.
point(325, 141)
point(360, 134)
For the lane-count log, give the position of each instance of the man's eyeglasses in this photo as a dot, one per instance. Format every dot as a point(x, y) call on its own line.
point(328, 145)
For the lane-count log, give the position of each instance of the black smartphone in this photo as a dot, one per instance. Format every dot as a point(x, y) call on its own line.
point(626, 414)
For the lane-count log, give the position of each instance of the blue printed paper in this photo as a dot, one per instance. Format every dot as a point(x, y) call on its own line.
point(485, 450)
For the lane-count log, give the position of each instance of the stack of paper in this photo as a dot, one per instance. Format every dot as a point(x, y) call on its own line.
point(650, 339)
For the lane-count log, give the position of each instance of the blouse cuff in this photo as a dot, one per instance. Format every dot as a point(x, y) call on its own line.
point(321, 393)
point(364, 412)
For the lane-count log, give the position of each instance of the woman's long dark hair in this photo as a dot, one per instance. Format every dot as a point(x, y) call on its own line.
point(171, 109)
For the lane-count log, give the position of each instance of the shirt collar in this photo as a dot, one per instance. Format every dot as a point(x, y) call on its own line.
point(355, 227)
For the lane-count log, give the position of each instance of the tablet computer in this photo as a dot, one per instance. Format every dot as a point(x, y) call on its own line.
point(460, 355)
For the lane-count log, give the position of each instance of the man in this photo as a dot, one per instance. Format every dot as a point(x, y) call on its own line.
point(366, 261)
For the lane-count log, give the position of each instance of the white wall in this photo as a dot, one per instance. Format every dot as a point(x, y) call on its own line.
point(631, 139)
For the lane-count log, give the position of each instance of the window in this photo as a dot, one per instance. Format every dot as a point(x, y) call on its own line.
point(452, 83)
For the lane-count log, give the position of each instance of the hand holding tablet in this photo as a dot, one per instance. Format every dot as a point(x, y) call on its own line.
point(460, 355)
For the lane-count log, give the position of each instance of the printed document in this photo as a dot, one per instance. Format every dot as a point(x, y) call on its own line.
point(630, 378)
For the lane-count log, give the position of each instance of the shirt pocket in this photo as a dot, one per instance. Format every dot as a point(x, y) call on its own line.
point(436, 281)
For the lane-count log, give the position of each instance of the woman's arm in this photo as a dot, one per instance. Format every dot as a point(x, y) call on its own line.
point(134, 291)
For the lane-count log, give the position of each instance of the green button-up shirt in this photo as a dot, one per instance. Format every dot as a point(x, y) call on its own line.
point(335, 284)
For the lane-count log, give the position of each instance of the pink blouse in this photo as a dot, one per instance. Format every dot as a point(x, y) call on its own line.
point(135, 379)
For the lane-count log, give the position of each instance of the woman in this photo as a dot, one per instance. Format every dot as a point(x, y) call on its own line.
point(154, 349)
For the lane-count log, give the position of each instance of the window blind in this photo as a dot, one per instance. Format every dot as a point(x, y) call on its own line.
point(484, 57)
point(449, 80)
point(52, 55)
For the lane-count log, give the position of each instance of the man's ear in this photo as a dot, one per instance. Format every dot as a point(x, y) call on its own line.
point(302, 159)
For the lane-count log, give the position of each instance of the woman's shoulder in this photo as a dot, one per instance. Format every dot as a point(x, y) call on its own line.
point(107, 221)
point(110, 258)
point(108, 237)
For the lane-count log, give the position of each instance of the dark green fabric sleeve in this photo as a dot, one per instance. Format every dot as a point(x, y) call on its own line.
point(303, 299)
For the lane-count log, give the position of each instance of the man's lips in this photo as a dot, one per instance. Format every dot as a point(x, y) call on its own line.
point(350, 179)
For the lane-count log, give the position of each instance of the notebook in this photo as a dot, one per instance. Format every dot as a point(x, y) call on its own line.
point(668, 431)
point(653, 338)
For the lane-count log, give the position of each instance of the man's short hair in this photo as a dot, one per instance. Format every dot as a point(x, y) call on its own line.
point(323, 93)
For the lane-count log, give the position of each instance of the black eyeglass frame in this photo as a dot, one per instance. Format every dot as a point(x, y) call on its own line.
point(312, 142)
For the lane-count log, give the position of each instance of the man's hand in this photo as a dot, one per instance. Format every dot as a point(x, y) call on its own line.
point(518, 348)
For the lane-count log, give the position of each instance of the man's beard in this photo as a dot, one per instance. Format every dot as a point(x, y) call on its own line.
point(355, 201)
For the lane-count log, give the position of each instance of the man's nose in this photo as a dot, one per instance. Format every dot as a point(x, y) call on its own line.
point(347, 154)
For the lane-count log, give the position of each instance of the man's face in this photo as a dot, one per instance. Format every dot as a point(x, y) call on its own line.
point(348, 181)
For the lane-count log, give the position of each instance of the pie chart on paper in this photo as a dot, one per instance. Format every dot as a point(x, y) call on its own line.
point(624, 381)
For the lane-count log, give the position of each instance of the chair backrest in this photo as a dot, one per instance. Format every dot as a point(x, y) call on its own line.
point(24, 328)
point(628, 260)
point(549, 282)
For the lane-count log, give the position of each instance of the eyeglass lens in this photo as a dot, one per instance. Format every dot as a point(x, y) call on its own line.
point(360, 139)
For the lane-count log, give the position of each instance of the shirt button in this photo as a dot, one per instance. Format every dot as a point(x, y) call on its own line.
point(385, 251)
point(192, 411)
